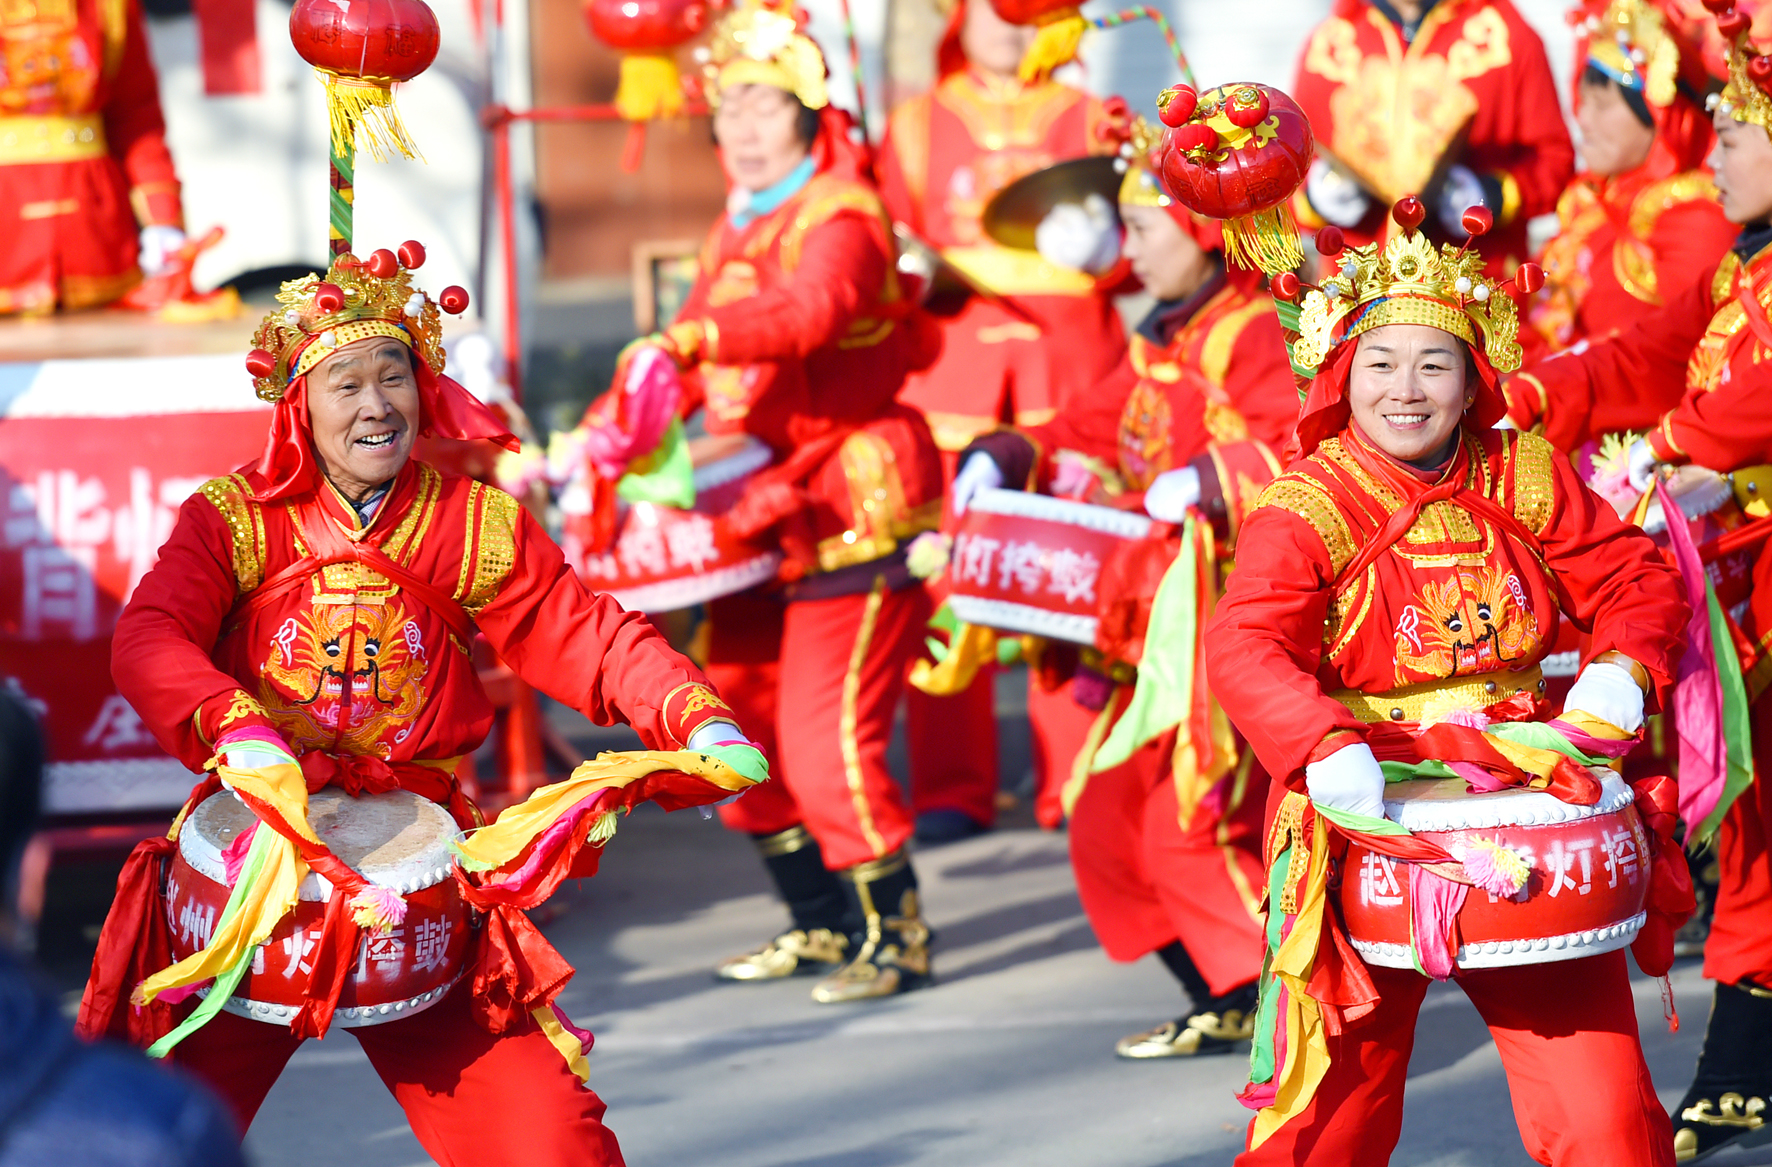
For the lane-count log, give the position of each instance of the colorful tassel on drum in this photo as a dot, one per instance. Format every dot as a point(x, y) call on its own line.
point(1494, 868)
point(378, 909)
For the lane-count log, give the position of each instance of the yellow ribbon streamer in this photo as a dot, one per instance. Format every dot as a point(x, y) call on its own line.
point(1307, 1043)
point(497, 844)
point(970, 648)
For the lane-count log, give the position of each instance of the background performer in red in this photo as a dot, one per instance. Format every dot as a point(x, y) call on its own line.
point(1452, 99)
point(1166, 854)
point(1049, 334)
point(1416, 561)
point(1694, 376)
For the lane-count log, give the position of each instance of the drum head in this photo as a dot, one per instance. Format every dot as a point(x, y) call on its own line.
point(1447, 804)
point(397, 839)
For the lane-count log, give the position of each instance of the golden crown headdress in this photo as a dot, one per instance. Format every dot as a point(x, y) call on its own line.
point(357, 299)
point(1744, 98)
point(1408, 280)
point(1630, 42)
point(760, 42)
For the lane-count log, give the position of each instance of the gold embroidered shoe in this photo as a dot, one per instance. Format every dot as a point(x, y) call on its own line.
point(795, 953)
point(1194, 1036)
point(893, 956)
point(1708, 1125)
point(1729, 1104)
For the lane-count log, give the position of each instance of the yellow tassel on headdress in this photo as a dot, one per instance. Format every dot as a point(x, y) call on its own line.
point(1267, 240)
point(649, 87)
point(365, 106)
point(1055, 44)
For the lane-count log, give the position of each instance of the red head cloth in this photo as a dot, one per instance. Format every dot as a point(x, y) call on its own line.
point(835, 150)
point(1325, 412)
point(290, 467)
point(950, 56)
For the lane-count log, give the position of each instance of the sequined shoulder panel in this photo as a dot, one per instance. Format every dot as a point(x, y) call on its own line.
point(232, 499)
point(1722, 285)
point(1309, 499)
point(489, 546)
point(1534, 481)
point(408, 534)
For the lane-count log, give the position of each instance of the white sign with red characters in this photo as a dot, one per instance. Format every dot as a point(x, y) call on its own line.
point(96, 456)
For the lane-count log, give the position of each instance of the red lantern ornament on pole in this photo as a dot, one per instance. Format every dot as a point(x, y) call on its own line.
point(1238, 156)
point(1061, 27)
point(646, 33)
point(361, 49)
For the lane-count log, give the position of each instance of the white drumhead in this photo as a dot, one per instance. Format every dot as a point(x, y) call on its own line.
point(734, 460)
point(397, 839)
point(1697, 490)
point(1107, 520)
point(1446, 804)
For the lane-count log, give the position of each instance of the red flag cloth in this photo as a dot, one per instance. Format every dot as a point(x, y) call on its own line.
point(227, 35)
point(135, 944)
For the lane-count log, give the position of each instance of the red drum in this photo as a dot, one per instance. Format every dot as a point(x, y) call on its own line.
point(1585, 894)
point(1029, 562)
point(397, 840)
point(665, 559)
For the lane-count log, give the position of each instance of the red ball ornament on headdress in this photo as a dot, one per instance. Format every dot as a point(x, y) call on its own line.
point(1733, 23)
point(1760, 69)
point(1718, 7)
point(1284, 286)
point(1408, 212)
point(390, 40)
point(1215, 165)
point(1330, 241)
point(382, 264)
point(260, 363)
point(453, 299)
point(1477, 221)
point(329, 297)
point(412, 255)
point(1528, 277)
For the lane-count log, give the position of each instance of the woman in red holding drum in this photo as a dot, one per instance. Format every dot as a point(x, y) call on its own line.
point(1192, 419)
point(1402, 579)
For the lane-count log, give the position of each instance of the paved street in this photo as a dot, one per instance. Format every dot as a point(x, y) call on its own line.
point(1007, 1061)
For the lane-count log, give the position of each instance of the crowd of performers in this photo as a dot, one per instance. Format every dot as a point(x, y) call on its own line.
point(1388, 509)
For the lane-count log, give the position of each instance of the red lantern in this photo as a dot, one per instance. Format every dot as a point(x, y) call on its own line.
point(1244, 175)
point(363, 48)
point(646, 32)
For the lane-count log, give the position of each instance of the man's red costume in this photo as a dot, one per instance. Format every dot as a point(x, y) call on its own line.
point(1471, 87)
point(1167, 859)
point(1052, 334)
point(276, 610)
point(1628, 243)
point(83, 158)
point(1368, 594)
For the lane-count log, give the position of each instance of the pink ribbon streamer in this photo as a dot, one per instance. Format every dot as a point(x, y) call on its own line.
point(1434, 903)
point(1698, 691)
point(648, 404)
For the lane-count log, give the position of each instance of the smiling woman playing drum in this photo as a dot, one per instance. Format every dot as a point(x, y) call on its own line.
point(1392, 596)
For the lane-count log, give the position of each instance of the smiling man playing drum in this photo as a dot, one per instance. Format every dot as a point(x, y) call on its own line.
point(311, 620)
point(1392, 595)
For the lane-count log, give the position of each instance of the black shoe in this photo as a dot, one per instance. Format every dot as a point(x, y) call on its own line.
point(935, 827)
point(892, 949)
point(1728, 1104)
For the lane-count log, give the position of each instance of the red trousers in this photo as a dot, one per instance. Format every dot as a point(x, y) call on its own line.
point(1144, 881)
point(70, 234)
point(953, 749)
point(474, 1100)
point(1059, 727)
point(1740, 944)
point(1567, 1034)
point(826, 675)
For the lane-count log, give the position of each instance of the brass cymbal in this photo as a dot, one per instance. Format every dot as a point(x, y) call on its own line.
point(1011, 216)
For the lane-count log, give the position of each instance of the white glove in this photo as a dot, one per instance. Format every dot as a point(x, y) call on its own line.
point(157, 247)
point(1462, 191)
point(1085, 235)
point(1171, 494)
point(1335, 196)
point(1641, 467)
point(979, 473)
point(716, 733)
point(1610, 693)
point(1349, 779)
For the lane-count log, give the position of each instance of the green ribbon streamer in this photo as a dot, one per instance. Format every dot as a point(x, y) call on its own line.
point(224, 985)
point(665, 477)
point(1267, 1009)
point(1164, 695)
point(1737, 732)
point(747, 760)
